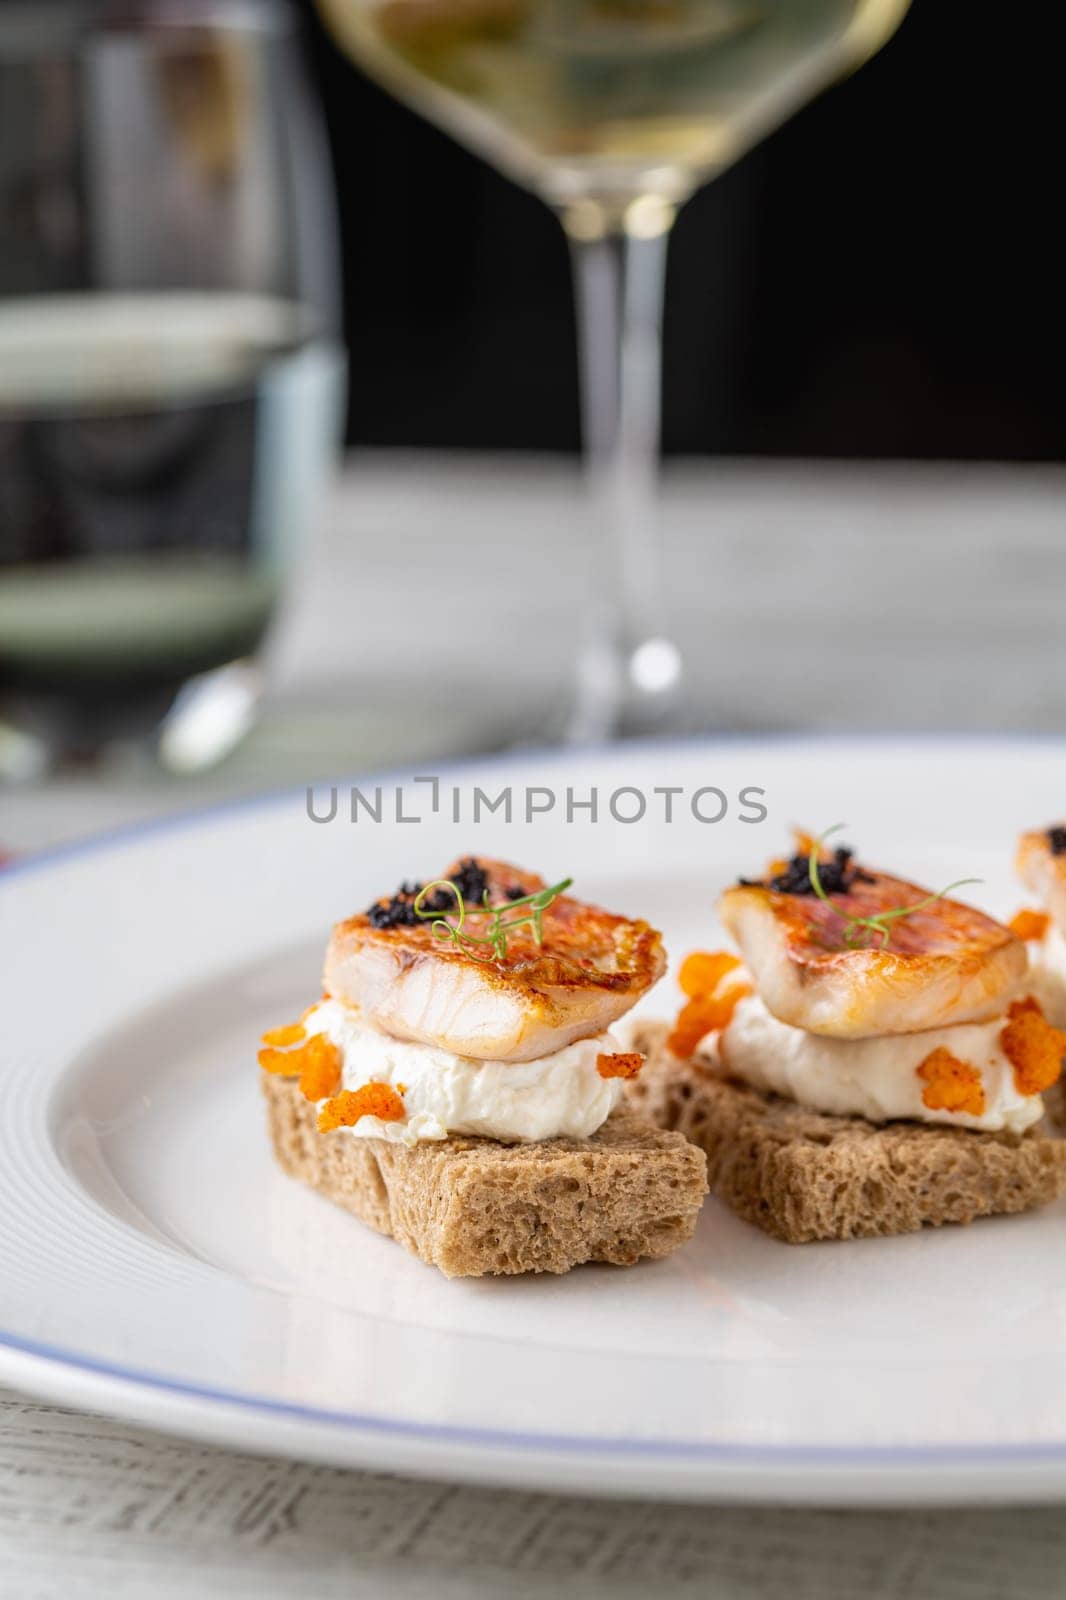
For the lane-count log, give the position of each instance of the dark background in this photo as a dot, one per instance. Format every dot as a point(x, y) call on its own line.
point(881, 277)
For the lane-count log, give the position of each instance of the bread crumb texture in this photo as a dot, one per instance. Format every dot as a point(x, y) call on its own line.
point(473, 1207)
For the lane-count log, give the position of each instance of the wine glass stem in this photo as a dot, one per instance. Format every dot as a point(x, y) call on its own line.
point(628, 669)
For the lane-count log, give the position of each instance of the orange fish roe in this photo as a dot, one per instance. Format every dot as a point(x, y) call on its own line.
point(1029, 925)
point(292, 1033)
point(317, 1064)
point(1032, 1046)
point(320, 1068)
point(703, 971)
point(623, 1064)
point(706, 1013)
point(951, 1084)
point(700, 977)
point(372, 1100)
point(283, 1061)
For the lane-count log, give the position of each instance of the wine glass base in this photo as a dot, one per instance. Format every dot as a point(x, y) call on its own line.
point(627, 692)
point(187, 725)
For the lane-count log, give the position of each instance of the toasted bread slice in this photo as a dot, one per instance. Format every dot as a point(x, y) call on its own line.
point(1055, 1105)
point(944, 964)
point(473, 1206)
point(589, 969)
point(800, 1176)
point(1041, 863)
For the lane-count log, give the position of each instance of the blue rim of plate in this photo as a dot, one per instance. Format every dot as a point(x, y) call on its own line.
point(673, 1450)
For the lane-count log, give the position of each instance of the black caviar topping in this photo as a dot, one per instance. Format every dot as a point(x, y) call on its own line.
point(470, 879)
point(1056, 838)
point(399, 912)
point(836, 875)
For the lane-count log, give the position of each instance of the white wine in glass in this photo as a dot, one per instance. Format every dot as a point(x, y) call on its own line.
point(615, 111)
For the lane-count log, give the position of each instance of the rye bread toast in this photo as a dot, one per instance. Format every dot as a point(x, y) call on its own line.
point(475, 1206)
point(801, 1176)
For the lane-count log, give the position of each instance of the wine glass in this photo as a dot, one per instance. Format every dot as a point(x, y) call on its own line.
point(171, 374)
point(614, 111)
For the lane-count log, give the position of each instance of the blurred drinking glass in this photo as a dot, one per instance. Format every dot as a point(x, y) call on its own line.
point(170, 374)
point(615, 111)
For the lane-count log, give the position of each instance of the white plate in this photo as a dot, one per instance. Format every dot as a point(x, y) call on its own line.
point(154, 1264)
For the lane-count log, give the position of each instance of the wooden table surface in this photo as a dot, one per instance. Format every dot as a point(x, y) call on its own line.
point(941, 588)
point(92, 1509)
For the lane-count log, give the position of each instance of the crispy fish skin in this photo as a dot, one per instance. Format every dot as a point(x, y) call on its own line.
point(1044, 872)
point(591, 968)
point(948, 963)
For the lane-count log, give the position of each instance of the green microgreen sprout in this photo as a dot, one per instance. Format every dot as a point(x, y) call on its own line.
point(878, 923)
point(531, 909)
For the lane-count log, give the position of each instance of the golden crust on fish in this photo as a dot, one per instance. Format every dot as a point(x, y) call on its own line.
point(945, 964)
point(591, 967)
point(1041, 863)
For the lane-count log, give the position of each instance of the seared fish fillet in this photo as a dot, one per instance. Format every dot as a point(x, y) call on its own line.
point(1041, 863)
point(591, 968)
point(946, 964)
